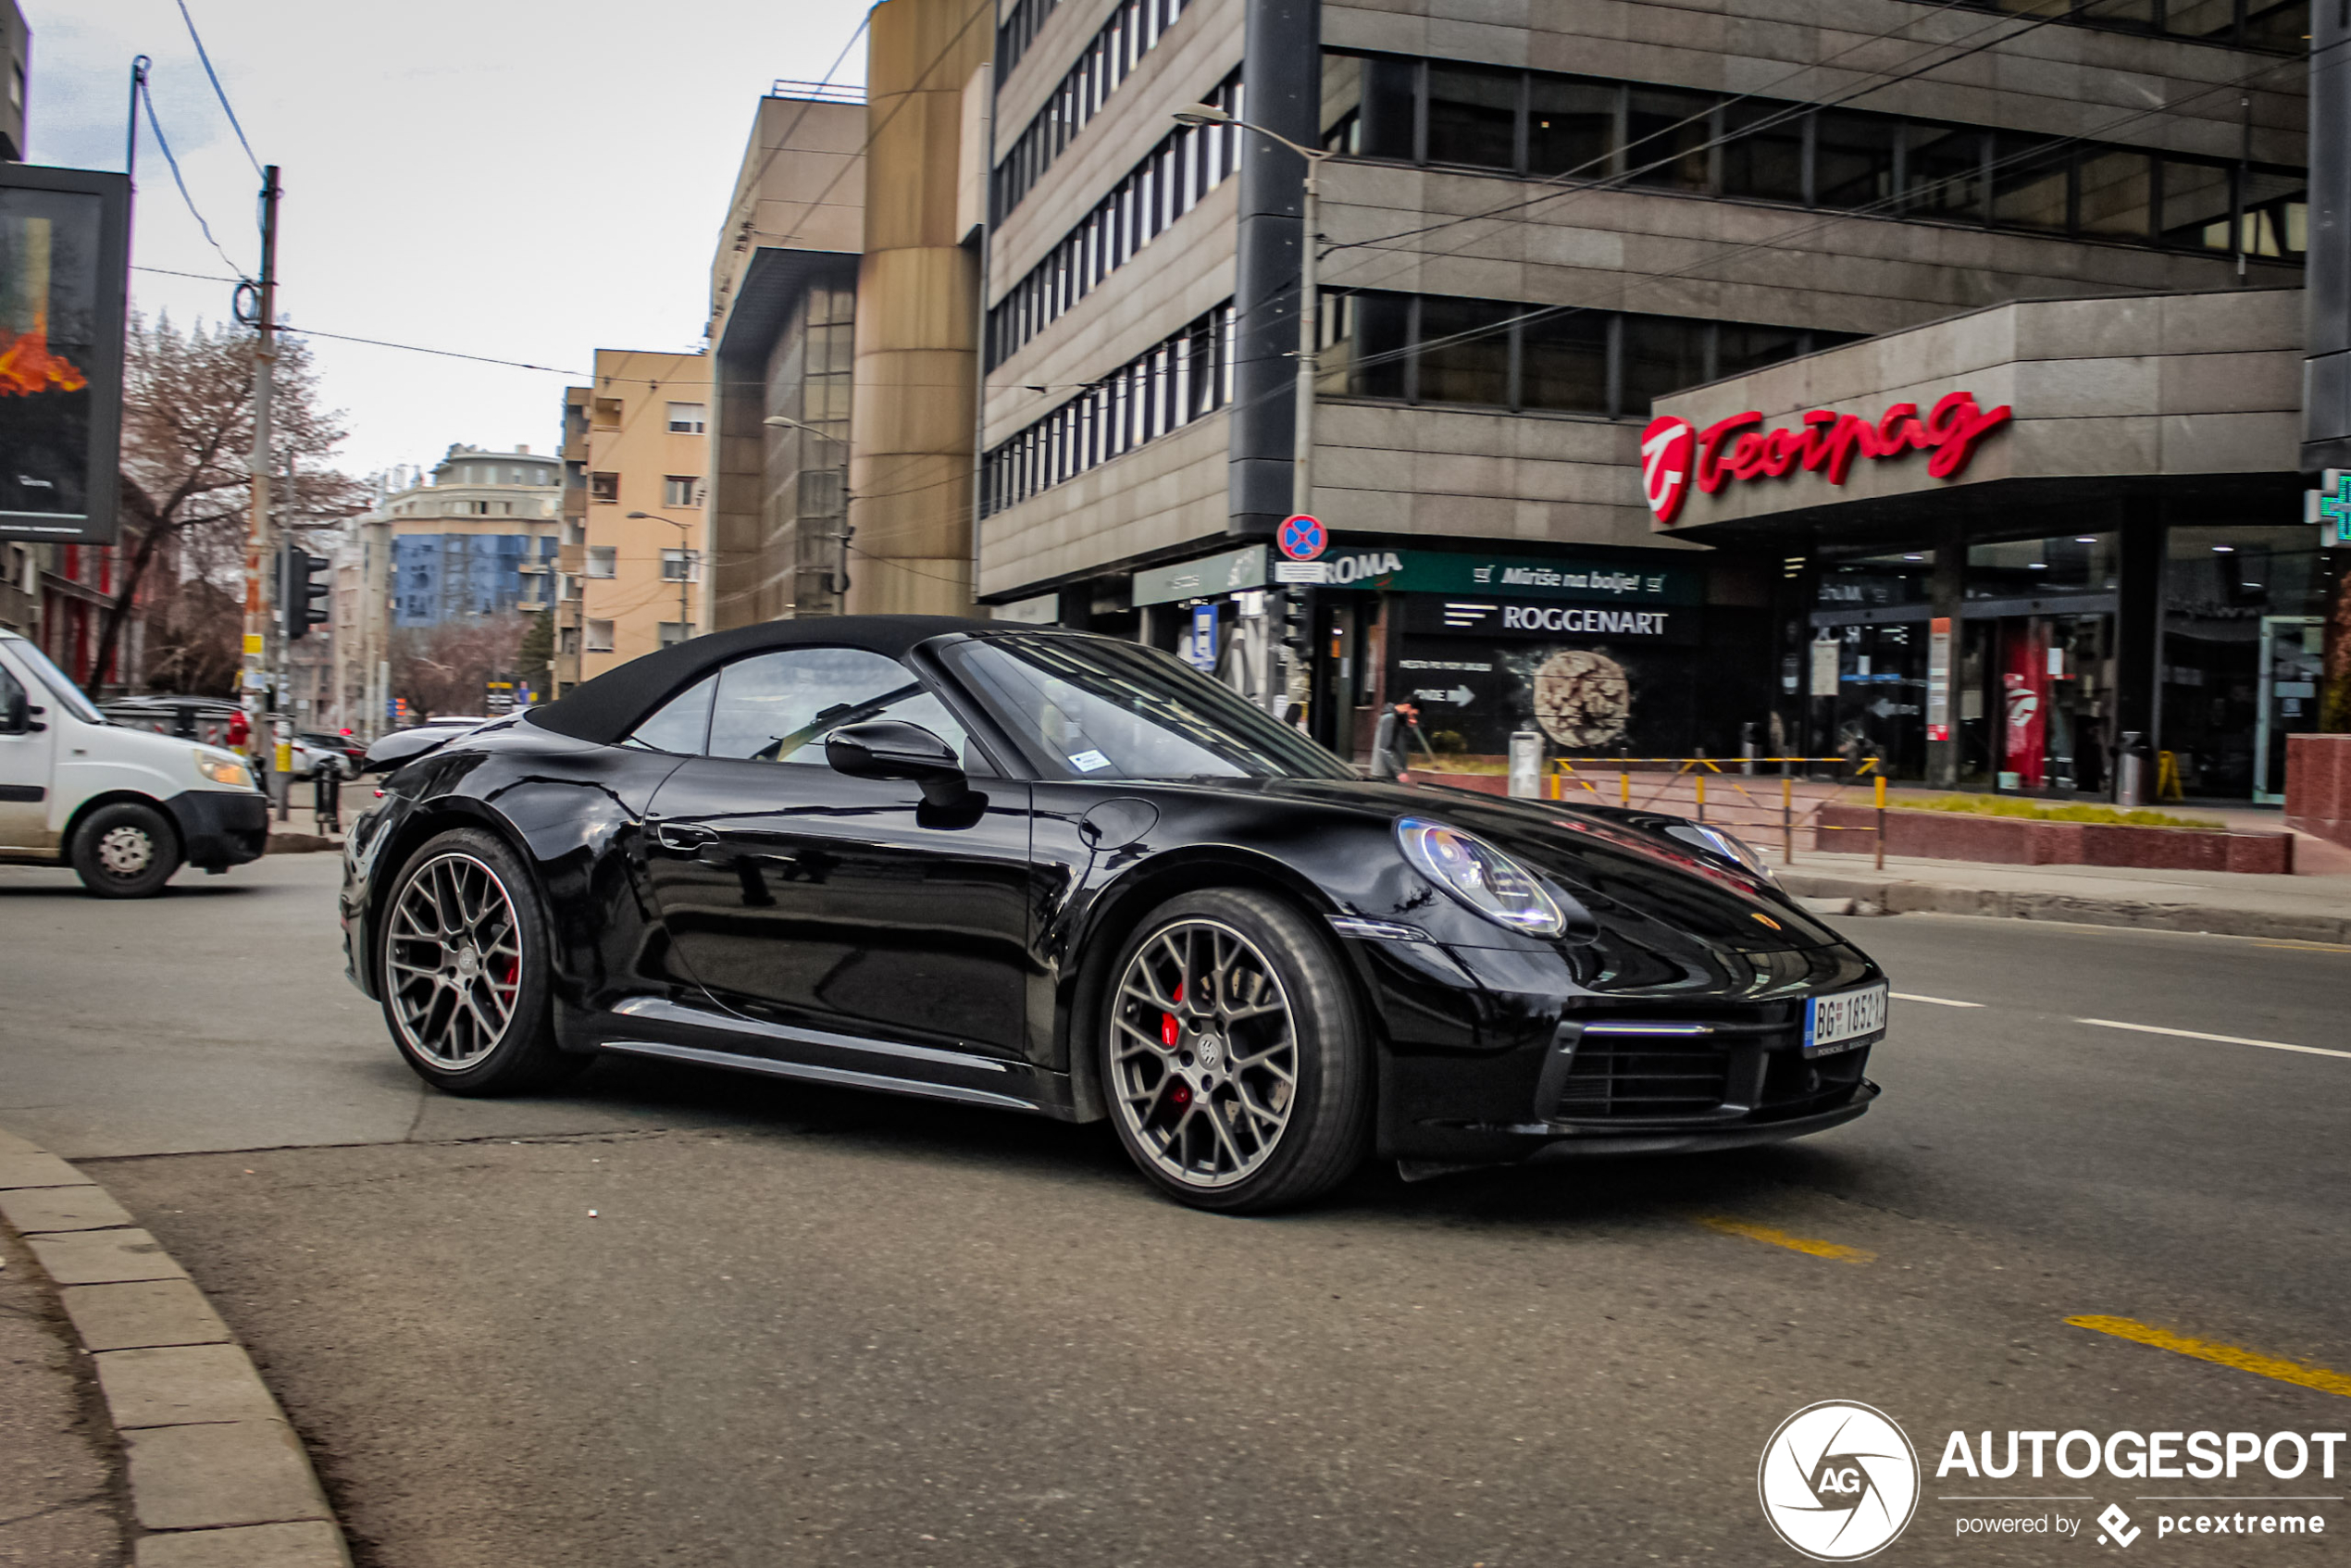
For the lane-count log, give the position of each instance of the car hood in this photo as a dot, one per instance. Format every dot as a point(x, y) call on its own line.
point(1666, 914)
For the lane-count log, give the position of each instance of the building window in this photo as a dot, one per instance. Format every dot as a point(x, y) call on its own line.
point(604, 560)
point(1018, 29)
point(568, 640)
point(604, 487)
point(681, 565)
point(1114, 52)
point(1551, 127)
point(1161, 389)
point(686, 418)
point(1173, 179)
point(673, 632)
point(599, 636)
point(677, 490)
point(2279, 25)
point(1500, 355)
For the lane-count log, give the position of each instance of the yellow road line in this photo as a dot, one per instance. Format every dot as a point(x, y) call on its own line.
point(1804, 1244)
point(2237, 1356)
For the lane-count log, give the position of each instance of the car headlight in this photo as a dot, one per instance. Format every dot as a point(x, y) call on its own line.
point(1721, 845)
point(222, 768)
point(1480, 876)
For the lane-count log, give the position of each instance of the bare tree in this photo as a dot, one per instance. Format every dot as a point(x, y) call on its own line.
point(187, 433)
point(444, 668)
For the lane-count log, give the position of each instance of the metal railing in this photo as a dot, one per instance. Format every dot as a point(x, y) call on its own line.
point(1582, 772)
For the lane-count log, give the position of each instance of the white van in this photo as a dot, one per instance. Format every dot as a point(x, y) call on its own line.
point(124, 807)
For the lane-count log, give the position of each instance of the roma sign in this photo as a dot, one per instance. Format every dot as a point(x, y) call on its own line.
point(1674, 453)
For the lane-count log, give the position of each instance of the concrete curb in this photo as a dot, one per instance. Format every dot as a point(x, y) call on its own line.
point(299, 844)
point(217, 1478)
point(1892, 895)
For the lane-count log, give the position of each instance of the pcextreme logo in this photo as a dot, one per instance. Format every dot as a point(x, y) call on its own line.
point(1839, 1481)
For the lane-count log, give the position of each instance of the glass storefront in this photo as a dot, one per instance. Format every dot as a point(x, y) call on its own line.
point(2243, 627)
point(2035, 698)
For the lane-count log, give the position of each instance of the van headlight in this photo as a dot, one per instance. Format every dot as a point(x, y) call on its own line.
point(223, 768)
point(1480, 876)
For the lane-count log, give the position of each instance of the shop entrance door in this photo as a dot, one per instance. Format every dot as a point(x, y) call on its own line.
point(2293, 659)
point(2054, 677)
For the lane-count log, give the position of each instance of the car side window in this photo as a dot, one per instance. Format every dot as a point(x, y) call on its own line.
point(779, 707)
point(13, 703)
point(681, 724)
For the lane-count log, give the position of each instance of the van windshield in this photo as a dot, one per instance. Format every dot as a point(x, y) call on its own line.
point(67, 695)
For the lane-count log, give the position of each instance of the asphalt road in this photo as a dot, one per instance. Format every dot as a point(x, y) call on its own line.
point(674, 1316)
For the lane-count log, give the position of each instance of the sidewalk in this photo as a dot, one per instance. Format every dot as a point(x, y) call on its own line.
point(2303, 907)
point(62, 1501)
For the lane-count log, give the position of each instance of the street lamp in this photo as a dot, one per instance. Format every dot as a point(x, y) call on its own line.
point(786, 422)
point(685, 568)
point(1301, 495)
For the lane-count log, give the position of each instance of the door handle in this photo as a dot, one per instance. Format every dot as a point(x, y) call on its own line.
point(684, 835)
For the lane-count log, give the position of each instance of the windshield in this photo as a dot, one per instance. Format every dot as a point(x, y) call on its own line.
point(1094, 707)
point(66, 691)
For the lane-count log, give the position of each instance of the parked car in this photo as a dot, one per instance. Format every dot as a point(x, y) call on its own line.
point(404, 745)
point(1045, 871)
point(348, 750)
point(212, 720)
point(124, 806)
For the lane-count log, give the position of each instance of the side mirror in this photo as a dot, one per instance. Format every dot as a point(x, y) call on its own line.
point(886, 748)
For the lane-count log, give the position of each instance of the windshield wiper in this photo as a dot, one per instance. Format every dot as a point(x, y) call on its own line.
point(833, 717)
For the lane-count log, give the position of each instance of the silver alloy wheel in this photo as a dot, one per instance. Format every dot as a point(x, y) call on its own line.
point(126, 850)
point(453, 960)
point(1204, 1056)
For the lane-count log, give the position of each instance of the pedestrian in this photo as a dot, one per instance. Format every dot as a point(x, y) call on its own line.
point(1391, 743)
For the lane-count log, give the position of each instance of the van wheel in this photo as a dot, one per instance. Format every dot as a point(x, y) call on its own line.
point(125, 851)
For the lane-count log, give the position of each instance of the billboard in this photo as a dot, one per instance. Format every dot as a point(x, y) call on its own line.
point(64, 250)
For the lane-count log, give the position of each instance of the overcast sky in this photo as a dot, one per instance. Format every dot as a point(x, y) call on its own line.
point(509, 178)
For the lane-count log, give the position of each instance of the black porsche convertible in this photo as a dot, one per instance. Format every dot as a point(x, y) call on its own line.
point(1058, 873)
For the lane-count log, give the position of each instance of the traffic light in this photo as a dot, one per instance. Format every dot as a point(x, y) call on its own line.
point(301, 584)
point(1296, 613)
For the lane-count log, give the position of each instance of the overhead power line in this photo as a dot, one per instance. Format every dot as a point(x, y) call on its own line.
point(217, 91)
point(162, 144)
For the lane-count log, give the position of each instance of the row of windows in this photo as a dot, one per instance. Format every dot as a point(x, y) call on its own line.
point(1543, 125)
point(1172, 180)
point(1021, 21)
point(2283, 25)
point(1165, 388)
point(1113, 53)
point(677, 489)
point(1496, 353)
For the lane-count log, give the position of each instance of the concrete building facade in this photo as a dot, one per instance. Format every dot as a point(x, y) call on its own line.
point(1537, 222)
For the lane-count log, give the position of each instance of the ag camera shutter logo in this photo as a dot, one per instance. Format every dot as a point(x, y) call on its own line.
point(1839, 1481)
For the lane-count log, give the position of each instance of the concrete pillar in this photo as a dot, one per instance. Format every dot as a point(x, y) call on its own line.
point(1281, 90)
point(913, 406)
point(2326, 431)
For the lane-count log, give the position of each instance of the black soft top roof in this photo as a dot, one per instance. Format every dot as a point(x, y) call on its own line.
point(606, 709)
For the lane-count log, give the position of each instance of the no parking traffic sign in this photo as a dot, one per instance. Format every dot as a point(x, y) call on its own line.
point(1303, 538)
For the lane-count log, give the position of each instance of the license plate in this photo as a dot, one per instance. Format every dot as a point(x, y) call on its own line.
point(1844, 1022)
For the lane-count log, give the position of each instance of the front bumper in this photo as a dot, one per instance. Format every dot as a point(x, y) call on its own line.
point(220, 827)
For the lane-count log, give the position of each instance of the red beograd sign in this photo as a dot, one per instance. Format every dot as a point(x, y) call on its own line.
point(1674, 451)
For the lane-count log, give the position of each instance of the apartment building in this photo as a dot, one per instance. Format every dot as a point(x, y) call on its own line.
point(477, 537)
point(571, 552)
point(1539, 227)
point(644, 538)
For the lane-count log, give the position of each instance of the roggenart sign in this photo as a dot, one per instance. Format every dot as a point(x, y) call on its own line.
point(1839, 1481)
point(1675, 454)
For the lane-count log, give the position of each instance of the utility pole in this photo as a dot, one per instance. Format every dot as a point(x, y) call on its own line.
point(257, 540)
point(282, 758)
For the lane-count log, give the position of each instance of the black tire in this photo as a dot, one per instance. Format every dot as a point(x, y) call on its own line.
point(125, 851)
point(1179, 1127)
point(437, 1019)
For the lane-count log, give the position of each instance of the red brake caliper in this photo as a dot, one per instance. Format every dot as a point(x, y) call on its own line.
point(1170, 1031)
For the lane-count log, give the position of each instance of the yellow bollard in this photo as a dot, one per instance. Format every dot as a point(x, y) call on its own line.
point(1787, 821)
point(1881, 822)
point(1701, 797)
point(1624, 789)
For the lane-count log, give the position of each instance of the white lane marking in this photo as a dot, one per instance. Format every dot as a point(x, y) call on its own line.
point(1938, 1000)
point(2225, 1040)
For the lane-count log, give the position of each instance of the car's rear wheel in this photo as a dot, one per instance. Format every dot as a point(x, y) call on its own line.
point(465, 972)
point(1233, 1055)
point(125, 851)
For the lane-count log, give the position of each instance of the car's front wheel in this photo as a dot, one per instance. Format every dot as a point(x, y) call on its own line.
point(1233, 1054)
point(464, 971)
point(125, 851)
